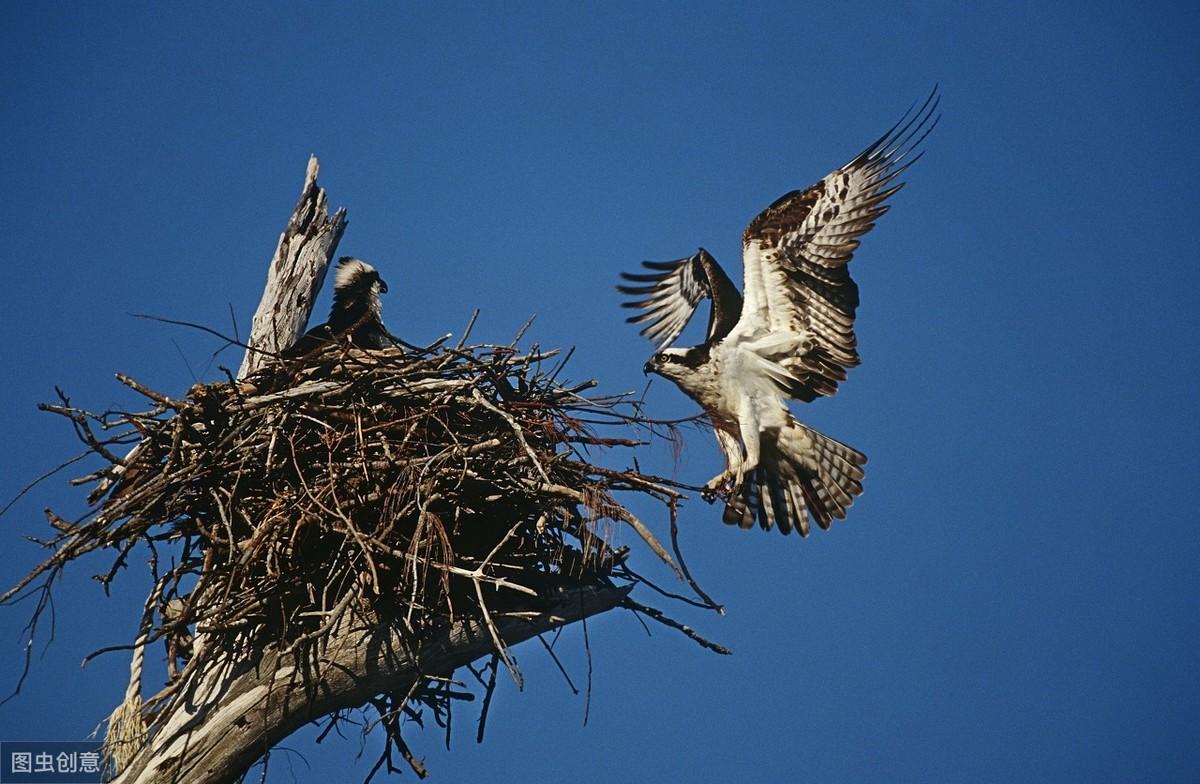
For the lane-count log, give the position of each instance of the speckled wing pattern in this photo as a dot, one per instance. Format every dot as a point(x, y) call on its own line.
point(796, 252)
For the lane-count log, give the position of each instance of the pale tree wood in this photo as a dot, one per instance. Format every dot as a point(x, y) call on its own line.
point(264, 700)
point(296, 273)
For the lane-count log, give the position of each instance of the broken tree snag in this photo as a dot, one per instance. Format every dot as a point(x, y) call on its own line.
point(297, 271)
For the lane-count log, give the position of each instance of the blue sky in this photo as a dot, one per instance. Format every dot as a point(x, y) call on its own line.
point(1014, 597)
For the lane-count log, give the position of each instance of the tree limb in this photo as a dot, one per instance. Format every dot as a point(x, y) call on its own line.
point(264, 700)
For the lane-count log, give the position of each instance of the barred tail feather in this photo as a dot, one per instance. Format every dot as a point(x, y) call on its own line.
point(802, 475)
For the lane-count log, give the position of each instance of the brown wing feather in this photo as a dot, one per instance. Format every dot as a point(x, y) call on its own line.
point(796, 253)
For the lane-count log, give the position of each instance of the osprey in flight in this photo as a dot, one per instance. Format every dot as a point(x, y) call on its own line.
point(792, 336)
point(356, 314)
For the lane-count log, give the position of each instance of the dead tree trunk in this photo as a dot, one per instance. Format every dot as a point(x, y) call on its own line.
point(254, 705)
point(297, 271)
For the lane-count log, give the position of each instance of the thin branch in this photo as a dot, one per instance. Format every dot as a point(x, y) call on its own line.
point(662, 618)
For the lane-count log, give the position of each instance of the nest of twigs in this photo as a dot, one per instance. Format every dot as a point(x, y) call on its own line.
point(412, 488)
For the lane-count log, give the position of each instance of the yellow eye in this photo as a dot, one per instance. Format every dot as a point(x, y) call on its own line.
point(660, 358)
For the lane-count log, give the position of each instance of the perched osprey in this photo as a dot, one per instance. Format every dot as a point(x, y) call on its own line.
point(356, 315)
point(792, 336)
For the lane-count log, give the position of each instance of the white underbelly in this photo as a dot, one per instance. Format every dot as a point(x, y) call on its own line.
point(743, 383)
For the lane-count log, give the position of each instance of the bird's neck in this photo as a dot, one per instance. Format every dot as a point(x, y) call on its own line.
point(351, 308)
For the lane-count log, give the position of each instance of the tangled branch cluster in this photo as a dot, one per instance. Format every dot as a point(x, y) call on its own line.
point(406, 488)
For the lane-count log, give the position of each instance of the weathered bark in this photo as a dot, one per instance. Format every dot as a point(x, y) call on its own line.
point(265, 700)
point(296, 273)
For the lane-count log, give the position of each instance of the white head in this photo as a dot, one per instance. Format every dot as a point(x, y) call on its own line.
point(356, 290)
point(687, 367)
point(355, 273)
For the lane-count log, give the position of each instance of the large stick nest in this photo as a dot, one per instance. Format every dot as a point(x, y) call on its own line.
point(410, 488)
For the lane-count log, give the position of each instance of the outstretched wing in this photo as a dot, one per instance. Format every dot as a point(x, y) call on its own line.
point(669, 294)
point(800, 299)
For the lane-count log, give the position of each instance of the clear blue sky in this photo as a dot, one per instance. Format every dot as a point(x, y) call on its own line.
point(1015, 596)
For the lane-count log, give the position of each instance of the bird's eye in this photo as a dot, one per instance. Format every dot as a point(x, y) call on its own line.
point(660, 358)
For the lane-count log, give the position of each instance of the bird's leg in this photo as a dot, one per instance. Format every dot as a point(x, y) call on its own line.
point(749, 426)
point(719, 484)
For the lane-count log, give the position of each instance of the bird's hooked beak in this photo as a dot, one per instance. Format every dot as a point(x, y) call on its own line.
point(648, 368)
point(382, 286)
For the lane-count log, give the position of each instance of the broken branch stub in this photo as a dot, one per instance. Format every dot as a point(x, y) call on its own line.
point(295, 275)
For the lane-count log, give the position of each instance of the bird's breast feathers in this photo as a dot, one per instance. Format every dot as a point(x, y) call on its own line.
point(734, 373)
